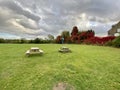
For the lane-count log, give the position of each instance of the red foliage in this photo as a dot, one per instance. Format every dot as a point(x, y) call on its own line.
point(86, 37)
point(74, 38)
point(80, 37)
point(68, 40)
point(74, 31)
point(58, 39)
point(98, 40)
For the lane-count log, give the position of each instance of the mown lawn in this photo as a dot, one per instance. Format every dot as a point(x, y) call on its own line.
point(86, 68)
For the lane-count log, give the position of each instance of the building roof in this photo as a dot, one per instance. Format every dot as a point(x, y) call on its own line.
point(114, 29)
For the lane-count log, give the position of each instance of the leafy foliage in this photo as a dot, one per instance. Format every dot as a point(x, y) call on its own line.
point(50, 37)
point(58, 39)
point(74, 31)
point(76, 35)
point(65, 34)
point(116, 42)
point(99, 40)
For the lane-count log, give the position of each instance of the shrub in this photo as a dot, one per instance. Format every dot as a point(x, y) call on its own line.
point(109, 43)
point(2, 40)
point(116, 42)
point(99, 40)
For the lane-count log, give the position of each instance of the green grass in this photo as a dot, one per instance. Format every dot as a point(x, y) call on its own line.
point(86, 68)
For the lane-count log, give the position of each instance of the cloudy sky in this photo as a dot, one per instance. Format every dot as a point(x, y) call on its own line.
point(38, 18)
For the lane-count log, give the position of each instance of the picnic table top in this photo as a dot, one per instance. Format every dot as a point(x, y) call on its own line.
point(34, 48)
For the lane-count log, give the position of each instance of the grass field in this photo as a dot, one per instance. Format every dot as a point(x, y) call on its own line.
point(86, 68)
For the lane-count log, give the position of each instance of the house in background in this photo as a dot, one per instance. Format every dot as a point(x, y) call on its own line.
point(115, 30)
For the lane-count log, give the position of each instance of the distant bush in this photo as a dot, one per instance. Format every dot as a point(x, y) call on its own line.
point(2, 40)
point(116, 42)
point(109, 43)
point(23, 41)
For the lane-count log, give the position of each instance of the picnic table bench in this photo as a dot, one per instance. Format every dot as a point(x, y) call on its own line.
point(64, 49)
point(34, 50)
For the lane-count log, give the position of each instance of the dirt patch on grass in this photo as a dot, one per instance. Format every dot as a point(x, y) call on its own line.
point(63, 86)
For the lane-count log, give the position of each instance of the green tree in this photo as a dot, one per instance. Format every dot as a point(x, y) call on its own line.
point(37, 40)
point(50, 37)
point(23, 40)
point(2, 40)
point(65, 34)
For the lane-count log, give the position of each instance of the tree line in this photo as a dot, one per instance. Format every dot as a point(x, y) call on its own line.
point(75, 36)
point(22, 41)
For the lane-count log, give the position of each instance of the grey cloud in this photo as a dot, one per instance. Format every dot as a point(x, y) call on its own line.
point(28, 23)
point(19, 9)
point(11, 12)
point(41, 17)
